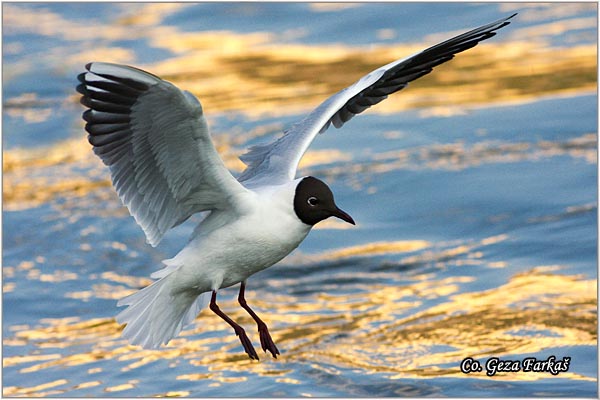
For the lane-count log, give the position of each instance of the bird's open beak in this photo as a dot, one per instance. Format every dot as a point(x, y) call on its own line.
point(343, 215)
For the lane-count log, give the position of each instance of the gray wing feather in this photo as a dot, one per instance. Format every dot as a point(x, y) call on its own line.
point(155, 140)
point(278, 160)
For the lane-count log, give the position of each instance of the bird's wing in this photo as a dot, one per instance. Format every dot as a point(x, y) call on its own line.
point(278, 160)
point(155, 139)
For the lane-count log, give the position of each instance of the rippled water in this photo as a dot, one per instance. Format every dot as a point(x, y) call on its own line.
point(474, 192)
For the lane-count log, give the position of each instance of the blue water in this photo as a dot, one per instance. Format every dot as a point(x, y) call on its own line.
point(476, 214)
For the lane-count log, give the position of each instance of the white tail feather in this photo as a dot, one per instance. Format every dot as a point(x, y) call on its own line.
point(171, 265)
point(200, 303)
point(154, 316)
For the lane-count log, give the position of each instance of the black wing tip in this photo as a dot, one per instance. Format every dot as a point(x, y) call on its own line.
point(131, 83)
point(88, 116)
point(81, 77)
point(82, 89)
point(86, 101)
point(504, 21)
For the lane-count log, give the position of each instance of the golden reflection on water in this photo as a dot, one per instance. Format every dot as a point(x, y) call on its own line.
point(378, 328)
point(271, 80)
point(254, 74)
point(35, 177)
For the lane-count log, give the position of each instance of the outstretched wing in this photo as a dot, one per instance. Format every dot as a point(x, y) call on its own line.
point(155, 140)
point(278, 160)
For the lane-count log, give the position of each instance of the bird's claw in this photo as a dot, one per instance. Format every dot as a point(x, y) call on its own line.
point(266, 342)
point(247, 344)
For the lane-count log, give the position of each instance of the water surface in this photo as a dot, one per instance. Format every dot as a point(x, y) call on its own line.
point(474, 192)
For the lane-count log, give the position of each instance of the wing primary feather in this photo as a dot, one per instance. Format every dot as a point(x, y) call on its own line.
point(109, 146)
point(106, 96)
point(101, 140)
point(279, 160)
point(98, 105)
point(113, 87)
point(102, 129)
point(99, 117)
point(148, 132)
point(129, 82)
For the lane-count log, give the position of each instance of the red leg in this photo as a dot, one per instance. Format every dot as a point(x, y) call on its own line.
point(265, 337)
point(239, 331)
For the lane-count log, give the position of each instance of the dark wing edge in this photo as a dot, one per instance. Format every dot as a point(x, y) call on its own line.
point(155, 140)
point(404, 71)
point(278, 160)
point(110, 99)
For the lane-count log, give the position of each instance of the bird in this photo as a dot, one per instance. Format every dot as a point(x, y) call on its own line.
point(155, 140)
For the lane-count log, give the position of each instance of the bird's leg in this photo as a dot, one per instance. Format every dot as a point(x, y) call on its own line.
point(265, 337)
point(239, 331)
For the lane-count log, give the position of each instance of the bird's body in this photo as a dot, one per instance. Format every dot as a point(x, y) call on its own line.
point(155, 140)
point(224, 251)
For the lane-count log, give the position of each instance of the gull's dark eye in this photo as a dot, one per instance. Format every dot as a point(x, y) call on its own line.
point(313, 201)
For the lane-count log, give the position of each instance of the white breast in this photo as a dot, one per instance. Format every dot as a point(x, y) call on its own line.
point(232, 249)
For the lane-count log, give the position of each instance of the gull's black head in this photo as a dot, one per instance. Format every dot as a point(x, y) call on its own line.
point(313, 202)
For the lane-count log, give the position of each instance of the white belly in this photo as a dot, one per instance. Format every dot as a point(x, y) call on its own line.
point(233, 252)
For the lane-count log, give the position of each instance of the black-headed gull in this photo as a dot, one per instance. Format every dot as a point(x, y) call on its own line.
point(164, 166)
